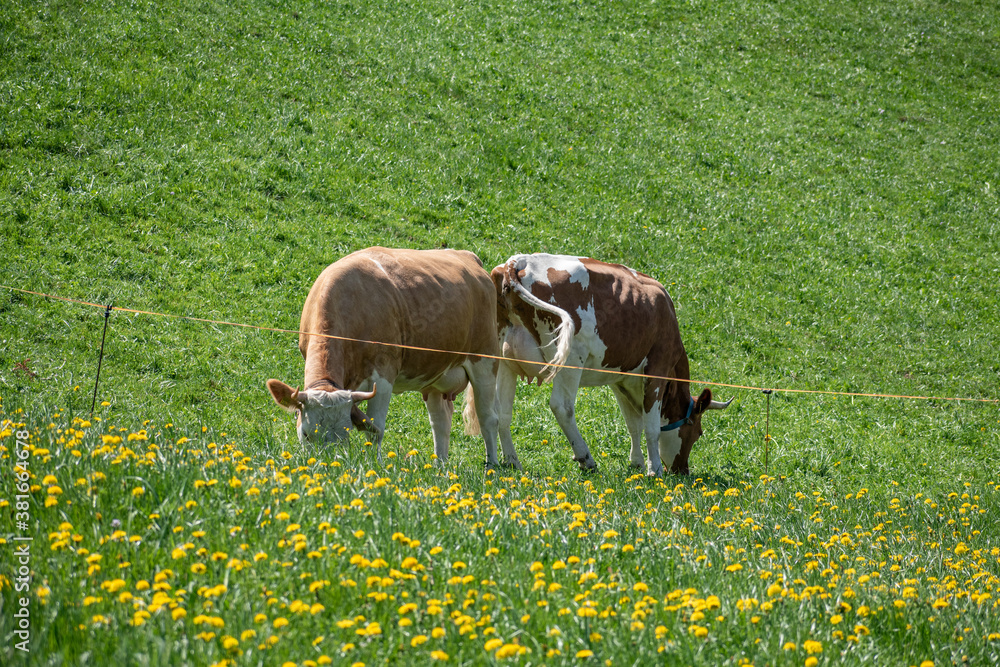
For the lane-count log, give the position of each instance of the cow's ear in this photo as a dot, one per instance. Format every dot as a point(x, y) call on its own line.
point(703, 401)
point(284, 395)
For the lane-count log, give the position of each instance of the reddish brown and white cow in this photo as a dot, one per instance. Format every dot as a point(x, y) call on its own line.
point(576, 311)
point(438, 299)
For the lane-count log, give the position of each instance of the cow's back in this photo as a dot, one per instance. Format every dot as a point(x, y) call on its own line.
point(438, 299)
point(631, 312)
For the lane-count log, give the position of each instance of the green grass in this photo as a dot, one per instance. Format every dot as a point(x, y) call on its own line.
point(815, 184)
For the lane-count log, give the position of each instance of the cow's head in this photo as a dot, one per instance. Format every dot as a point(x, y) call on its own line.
point(678, 437)
point(322, 416)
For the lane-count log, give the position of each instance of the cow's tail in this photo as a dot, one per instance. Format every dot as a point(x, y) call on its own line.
point(563, 337)
point(469, 416)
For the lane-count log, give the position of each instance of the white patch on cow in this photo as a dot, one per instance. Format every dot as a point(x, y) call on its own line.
point(325, 415)
point(670, 446)
point(588, 319)
point(537, 267)
point(379, 265)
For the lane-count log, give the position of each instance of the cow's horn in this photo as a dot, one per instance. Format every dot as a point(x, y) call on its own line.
point(719, 405)
point(362, 395)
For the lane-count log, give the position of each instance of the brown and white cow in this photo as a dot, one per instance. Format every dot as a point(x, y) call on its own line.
point(579, 312)
point(438, 299)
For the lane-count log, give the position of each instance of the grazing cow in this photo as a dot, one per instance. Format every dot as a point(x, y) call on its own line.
point(594, 317)
point(438, 299)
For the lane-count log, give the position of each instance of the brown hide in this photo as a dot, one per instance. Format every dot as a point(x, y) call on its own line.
point(635, 320)
point(440, 299)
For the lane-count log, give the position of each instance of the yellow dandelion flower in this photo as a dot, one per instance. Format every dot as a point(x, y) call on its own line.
point(510, 650)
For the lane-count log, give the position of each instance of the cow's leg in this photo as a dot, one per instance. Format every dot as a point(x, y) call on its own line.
point(633, 421)
point(563, 405)
point(506, 389)
point(377, 411)
point(651, 423)
point(440, 410)
point(483, 377)
point(670, 447)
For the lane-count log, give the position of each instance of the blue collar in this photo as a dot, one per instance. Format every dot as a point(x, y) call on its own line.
point(680, 422)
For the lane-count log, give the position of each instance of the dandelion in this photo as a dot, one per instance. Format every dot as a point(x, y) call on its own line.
point(812, 646)
point(439, 655)
point(418, 640)
point(510, 650)
point(584, 653)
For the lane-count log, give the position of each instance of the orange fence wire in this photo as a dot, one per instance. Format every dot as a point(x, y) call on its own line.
point(490, 356)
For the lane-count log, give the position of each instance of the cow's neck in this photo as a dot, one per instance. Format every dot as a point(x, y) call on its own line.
point(320, 373)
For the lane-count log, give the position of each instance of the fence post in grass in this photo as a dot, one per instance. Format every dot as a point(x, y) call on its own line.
point(100, 359)
point(767, 432)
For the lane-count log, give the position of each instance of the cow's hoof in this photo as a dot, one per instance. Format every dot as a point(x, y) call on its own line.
point(654, 473)
point(587, 463)
point(511, 464)
point(637, 465)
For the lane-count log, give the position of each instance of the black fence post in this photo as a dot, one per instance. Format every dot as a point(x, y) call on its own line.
point(100, 359)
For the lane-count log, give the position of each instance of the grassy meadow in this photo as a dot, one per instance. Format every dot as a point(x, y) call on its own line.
point(814, 183)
